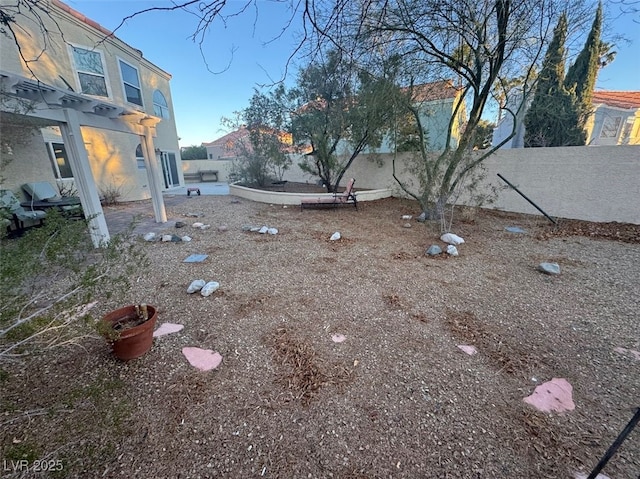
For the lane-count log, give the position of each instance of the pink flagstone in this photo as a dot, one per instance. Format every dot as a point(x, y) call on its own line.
point(338, 338)
point(626, 352)
point(202, 359)
point(167, 328)
point(554, 395)
point(470, 350)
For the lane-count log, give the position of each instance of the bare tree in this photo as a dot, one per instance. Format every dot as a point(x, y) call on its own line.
point(479, 45)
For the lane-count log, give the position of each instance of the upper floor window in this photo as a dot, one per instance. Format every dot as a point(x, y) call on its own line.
point(131, 83)
point(90, 70)
point(610, 127)
point(160, 106)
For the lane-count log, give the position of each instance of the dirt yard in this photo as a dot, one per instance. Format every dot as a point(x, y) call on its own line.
point(396, 398)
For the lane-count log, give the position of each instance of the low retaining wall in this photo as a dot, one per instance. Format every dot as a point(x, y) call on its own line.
point(283, 198)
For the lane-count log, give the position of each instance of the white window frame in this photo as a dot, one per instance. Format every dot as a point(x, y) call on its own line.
point(164, 109)
point(610, 133)
point(54, 160)
point(140, 159)
point(123, 83)
point(76, 70)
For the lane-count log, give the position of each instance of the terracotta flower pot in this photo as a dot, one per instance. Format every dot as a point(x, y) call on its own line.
point(129, 342)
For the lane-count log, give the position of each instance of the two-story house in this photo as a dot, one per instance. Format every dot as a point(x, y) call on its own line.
point(615, 121)
point(85, 111)
point(616, 118)
point(226, 147)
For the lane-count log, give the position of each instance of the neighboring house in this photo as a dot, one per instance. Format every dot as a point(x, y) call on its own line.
point(227, 146)
point(437, 102)
point(83, 110)
point(615, 121)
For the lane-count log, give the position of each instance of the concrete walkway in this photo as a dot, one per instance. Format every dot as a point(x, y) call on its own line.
point(140, 213)
point(205, 189)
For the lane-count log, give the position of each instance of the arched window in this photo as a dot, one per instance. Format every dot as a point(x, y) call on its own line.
point(140, 158)
point(160, 106)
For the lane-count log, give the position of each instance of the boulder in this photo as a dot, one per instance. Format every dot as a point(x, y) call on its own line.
point(433, 250)
point(549, 268)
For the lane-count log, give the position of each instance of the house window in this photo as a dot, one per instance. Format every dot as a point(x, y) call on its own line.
point(140, 158)
point(59, 161)
point(610, 127)
point(627, 129)
point(131, 83)
point(211, 156)
point(160, 106)
point(90, 70)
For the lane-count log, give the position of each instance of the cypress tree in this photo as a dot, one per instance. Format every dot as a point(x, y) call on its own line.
point(551, 120)
point(582, 75)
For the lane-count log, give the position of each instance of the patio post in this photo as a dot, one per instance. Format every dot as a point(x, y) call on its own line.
point(83, 177)
point(153, 173)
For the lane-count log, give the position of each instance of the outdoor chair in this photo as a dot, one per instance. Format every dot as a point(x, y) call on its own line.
point(348, 196)
point(43, 195)
point(19, 214)
point(41, 191)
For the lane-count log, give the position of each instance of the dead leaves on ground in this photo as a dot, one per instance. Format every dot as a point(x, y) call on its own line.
point(301, 369)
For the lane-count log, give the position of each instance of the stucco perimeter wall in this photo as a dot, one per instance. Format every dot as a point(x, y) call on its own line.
point(590, 183)
point(223, 167)
point(599, 183)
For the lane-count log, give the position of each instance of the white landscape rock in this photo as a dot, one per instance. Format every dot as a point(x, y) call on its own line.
point(186, 239)
point(209, 288)
point(196, 285)
point(263, 230)
point(335, 236)
point(197, 224)
point(549, 268)
point(272, 231)
point(452, 250)
point(450, 238)
point(468, 349)
point(149, 237)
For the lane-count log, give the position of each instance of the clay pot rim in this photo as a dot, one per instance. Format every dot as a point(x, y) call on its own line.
point(125, 312)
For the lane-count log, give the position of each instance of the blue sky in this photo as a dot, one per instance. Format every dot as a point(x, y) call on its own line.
point(246, 53)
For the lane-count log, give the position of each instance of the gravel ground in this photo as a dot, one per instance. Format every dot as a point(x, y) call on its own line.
point(396, 399)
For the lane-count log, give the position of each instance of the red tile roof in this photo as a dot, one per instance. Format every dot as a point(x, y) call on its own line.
point(82, 18)
point(228, 140)
point(95, 25)
point(439, 90)
point(618, 99)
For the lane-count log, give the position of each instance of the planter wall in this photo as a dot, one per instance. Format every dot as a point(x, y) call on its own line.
point(283, 198)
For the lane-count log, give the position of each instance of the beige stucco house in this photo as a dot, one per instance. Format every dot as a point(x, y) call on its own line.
point(85, 111)
point(616, 118)
point(615, 121)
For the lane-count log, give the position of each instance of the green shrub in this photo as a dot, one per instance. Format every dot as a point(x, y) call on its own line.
point(49, 278)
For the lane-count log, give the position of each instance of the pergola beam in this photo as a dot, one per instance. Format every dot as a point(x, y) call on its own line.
point(71, 111)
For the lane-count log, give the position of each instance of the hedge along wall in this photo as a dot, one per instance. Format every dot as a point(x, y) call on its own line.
point(591, 183)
